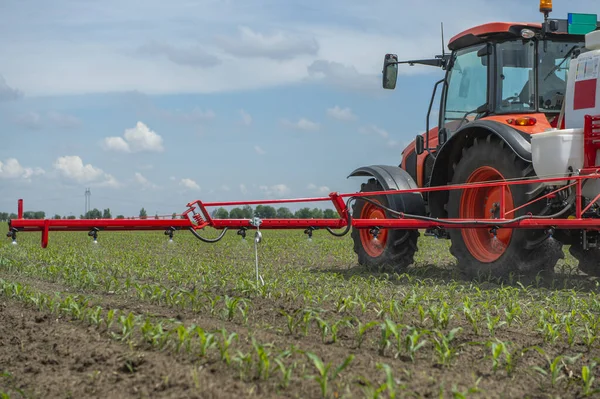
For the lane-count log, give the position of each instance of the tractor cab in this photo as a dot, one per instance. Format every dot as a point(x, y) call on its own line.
point(512, 73)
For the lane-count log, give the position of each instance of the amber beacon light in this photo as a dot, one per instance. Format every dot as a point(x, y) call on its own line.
point(545, 6)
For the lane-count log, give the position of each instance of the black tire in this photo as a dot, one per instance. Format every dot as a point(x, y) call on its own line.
point(527, 252)
point(400, 245)
point(589, 261)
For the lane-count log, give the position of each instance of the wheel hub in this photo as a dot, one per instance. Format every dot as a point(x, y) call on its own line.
point(484, 203)
point(374, 239)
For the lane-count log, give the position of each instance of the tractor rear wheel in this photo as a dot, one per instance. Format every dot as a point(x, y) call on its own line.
point(393, 250)
point(479, 252)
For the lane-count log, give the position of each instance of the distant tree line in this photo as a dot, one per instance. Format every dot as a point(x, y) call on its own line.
point(245, 212)
point(269, 212)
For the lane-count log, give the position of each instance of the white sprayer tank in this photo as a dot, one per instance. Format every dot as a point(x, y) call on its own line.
point(557, 151)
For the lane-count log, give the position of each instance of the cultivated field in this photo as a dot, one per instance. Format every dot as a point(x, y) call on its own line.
point(134, 316)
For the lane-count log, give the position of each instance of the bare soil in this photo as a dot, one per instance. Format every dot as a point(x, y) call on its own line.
point(45, 357)
point(50, 357)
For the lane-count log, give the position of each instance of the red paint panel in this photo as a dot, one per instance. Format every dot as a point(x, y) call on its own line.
point(585, 94)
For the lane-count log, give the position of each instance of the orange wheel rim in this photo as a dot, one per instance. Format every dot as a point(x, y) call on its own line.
point(478, 203)
point(373, 246)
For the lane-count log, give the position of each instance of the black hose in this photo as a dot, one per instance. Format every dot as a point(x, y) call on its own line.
point(208, 240)
point(474, 222)
point(348, 221)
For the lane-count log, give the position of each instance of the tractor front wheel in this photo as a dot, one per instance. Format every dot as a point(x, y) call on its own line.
point(483, 251)
point(393, 249)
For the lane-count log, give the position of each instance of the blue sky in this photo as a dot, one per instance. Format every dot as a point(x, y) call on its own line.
point(153, 104)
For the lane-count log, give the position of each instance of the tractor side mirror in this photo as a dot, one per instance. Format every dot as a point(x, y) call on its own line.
point(390, 71)
point(442, 136)
point(419, 144)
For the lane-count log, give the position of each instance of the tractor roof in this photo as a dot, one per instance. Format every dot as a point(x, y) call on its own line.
point(480, 33)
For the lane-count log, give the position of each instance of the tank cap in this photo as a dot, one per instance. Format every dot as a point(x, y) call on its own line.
point(592, 40)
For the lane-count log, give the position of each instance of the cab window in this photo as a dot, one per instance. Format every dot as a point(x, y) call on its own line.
point(467, 87)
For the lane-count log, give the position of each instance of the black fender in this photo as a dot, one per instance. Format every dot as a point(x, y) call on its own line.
point(451, 152)
point(395, 178)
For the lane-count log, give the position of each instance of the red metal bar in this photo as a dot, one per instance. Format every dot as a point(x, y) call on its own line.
point(102, 224)
point(578, 197)
point(45, 231)
point(541, 198)
point(401, 223)
point(502, 202)
point(592, 224)
point(197, 221)
point(20, 209)
point(264, 202)
point(340, 206)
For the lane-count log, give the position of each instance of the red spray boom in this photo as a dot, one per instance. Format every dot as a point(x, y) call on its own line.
point(197, 217)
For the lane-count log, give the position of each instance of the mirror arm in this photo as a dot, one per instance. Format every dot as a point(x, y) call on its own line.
point(439, 61)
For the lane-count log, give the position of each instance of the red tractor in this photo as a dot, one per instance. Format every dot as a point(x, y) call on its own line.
point(503, 83)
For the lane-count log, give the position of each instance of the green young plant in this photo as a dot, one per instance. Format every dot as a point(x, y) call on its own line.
point(225, 343)
point(263, 360)
point(587, 380)
point(493, 323)
point(440, 315)
point(324, 376)
point(412, 342)
point(362, 330)
point(335, 327)
point(443, 345)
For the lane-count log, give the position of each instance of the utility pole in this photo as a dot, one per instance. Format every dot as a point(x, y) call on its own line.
point(88, 195)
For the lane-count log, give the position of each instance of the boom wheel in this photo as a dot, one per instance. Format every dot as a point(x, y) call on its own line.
point(479, 251)
point(393, 249)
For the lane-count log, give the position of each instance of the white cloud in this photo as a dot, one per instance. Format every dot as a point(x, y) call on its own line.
point(342, 75)
point(137, 139)
point(246, 117)
point(116, 144)
point(12, 169)
point(259, 150)
point(277, 46)
point(33, 120)
point(321, 190)
point(225, 187)
point(43, 56)
point(143, 181)
point(277, 190)
point(342, 114)
point(302, 124)
point(374, 130)
point(189, 184)
point(63, 120)
point(196, 115)
point(30, 120)
point(243, 189)
point(193, 56)
point(7, 93)
point(72, 168)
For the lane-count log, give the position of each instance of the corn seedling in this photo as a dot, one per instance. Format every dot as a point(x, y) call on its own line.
point(412, 343)
point(361, 331)
point(324, 377)
point(225, 343)
point(587, 379)
point(443, 347)
point(206, 341)
point(263, 362)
